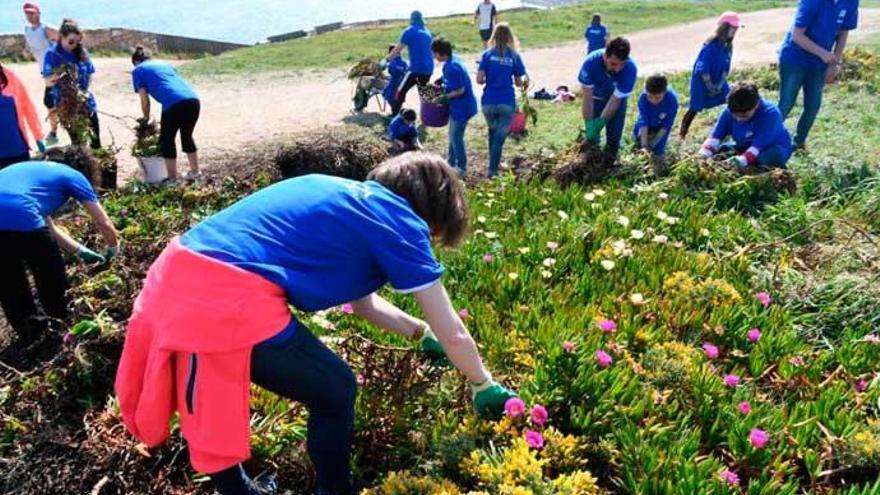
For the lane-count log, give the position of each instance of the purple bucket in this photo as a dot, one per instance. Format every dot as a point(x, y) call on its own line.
point(434, 115)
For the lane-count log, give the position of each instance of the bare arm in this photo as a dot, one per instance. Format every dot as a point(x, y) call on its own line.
point(519, 81)
point(643, 137)
point(460, 348)
point(383, 314)
point(481, 77)
point(65, 242)
point(456, 93)
point(103, 223)
point(802, 40)
point(611, 108)
point(145, 102)
point(52, 34)
point(587, 104)
point(840, 45)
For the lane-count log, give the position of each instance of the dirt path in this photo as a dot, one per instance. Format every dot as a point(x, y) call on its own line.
point(241, 110)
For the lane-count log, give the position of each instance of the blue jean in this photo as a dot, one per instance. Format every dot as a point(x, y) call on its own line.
point(498, 118)
point(793, 78)
point(457, 151)
point(614, 128)
point(303, 369)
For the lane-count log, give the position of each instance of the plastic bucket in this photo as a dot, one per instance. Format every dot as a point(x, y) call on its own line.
point(518, 124)
point(153, 168)
point(434, 115)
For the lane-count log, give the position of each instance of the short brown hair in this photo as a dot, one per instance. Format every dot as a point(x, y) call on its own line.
point(432, 189)
point(743, 97)
point(656, 84)
point(77, 158)
point(619, 48)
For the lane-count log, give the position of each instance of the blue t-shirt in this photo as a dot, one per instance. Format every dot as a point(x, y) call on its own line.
point(656, 117)
point(397, 69)
point(763, 131)
point(823, 21)
point(324, 240)
point(418, 43)
point(500, 71)
point(714, 60)
point(162, 82)
point(400, 130)
point(12, 143)
point(605, 84)
point(595, 36)
point(32, 191)
point(455, 77)
point(57, 57)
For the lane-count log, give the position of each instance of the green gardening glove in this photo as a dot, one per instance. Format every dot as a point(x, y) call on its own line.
point(111, 252)
point(594, 129)
point(86, 255)
point(489, 399)
point(431, 347)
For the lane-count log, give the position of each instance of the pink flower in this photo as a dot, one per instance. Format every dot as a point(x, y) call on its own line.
point(745, 407)
point(552, 246)
point(464, 314)
point(796, 361)
point(861, 385)
point(347, 309)
point(539, 415)
point(488, 258)
point(754, 335)
point(729, 477)
point(711, 351)
point(514, 407)
point(360, 380)
point(764, 298)
point(568, 346)
point(534, 439)
point(603, 359)
point(758, 438)
point(69, 338)
point(871, 339)
point(731, 380)
point(608, 326)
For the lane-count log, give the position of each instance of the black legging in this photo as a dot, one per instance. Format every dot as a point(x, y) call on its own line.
point(182, 116)
point(409, 81)
point(686, 123)
point(35, 251)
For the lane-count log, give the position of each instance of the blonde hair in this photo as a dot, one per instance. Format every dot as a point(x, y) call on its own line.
point(503, 38)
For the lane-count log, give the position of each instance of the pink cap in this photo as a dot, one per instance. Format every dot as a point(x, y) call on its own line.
point(730, 18)
point(31, 8)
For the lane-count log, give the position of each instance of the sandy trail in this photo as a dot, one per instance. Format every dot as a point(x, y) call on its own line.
point(248, 108)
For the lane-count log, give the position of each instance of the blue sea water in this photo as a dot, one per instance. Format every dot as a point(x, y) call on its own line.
point(242, 21)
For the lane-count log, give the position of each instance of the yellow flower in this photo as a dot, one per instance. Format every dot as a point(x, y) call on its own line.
point(608, 265)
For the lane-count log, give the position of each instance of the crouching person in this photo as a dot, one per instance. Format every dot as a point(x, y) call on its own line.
point(213, 315)
point(756, 127)
point(658, 106)
point(402, 132)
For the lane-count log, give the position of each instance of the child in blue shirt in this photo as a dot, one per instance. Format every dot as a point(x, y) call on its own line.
point(397, 69)
point(755, 124)
point(402, 132)
point(658, 106)
point(596, 34)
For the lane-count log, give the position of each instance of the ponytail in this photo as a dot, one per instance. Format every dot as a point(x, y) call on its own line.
point(140, 54)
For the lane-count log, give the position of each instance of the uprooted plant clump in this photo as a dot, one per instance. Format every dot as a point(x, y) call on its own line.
point(349, 152)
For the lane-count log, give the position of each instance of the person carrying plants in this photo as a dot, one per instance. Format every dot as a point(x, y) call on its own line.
point(397, 69)
point(17, 117)
point(39, 38)
point(30, 192)
point(759, 135)
point(811, 56)
point(596, 34)
point(658, 106)
point(709, 86)
point(213, 315)
point(180, 108)
point(458, 93)
point(402, 132)
point(486, 17)
point(501, 68)
point(608, 77)
point(70, 51)
point(417, 40)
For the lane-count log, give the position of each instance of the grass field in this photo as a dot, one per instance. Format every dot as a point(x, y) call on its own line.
point(535, 28)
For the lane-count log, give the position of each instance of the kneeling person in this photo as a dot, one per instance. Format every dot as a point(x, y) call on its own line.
point(403, 133)
point(658, 106)
point(755, 124)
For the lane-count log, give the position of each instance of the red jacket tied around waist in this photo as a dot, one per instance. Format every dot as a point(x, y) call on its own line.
point(188, 349)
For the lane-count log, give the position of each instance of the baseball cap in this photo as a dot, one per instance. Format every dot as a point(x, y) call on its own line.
point(31, 8)
point(731, 18)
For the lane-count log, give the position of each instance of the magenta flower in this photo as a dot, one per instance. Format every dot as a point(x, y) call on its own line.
point(758, 438)
point(69, 338)
point(861, 385)
point(347, 309)
point(568, 346)
point(754, 335)
point(711, 351)
point(608, 326)
point(464, 314)
point(745, 408)
point(488, 258)
point(534, 439)
point(729, 477)
point(764, 298)
point(539, 415)
point(796, 361)
point(731, 380)
point(360, 379)
point(603, 359)
point(514, 407)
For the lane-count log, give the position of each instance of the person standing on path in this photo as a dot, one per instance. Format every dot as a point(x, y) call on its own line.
point(458, 93)
point(608, 78)
point(501, 69)
point(811, 55)
point(40, 38)
point(17, 117)
point(180, 108)
point(709, 86)
point(596, 34)
point(70, 51)
point(486, 18)
point(417, 40)
point(313, 242)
